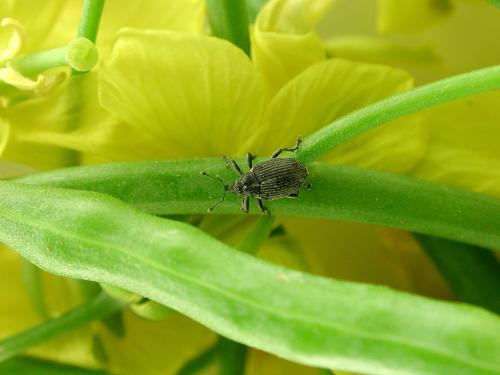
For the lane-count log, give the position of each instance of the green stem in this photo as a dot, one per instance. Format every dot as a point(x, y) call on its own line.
point(200, 362)
point(32, 280)
point(90, 19)
point(32, 65)
point(257, 235)
point(229, 20)
point(100, 307)
point(473, 273)
point(355, 123)
point(232, 357)
point(339, 192)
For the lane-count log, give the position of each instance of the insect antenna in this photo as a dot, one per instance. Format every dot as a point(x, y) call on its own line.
point(223, 185)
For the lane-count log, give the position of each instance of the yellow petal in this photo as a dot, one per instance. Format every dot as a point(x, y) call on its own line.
point(4, 134)
point(463, 145)
point(43, 84)
point(366, 253)
point(145, 349)
point(12, 77)
point(331, 89)
point(379, 50)
point(283, 41)
point(49, 113)
point(411, 15)
point(38, 24)
point(191, 95)
point(16, 40)
point(17, 313)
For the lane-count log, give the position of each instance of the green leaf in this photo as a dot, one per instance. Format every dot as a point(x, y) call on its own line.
point(32, 366)
point(495, 3)
point(254, 7)
point(339, 192)
point(301, 317)
point(229, 20)
point(472, 272)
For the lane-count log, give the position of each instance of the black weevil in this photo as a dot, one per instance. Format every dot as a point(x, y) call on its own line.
point(272, 179)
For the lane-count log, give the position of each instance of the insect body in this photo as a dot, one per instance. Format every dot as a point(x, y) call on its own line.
point(272, 179)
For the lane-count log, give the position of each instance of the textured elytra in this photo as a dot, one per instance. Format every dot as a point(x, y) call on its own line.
point(279, 177)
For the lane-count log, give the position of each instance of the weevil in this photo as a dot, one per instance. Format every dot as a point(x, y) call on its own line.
point(272, 179)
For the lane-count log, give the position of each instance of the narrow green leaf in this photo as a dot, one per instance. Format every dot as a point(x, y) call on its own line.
point(32, 366)
point(472, 272)
point(339, 192)
point(301, 317)
point(229, 20)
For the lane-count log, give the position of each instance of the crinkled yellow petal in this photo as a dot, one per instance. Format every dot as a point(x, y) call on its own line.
point(25, 118)
point(334, 88)
point(464, 146)
point(37, 24)
point(43, 84)
point(15, 43)
point(396, 16)
point(12, 77)
point(191, 95)
point(283, 41)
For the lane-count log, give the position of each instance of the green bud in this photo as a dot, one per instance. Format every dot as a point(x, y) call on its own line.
point(81, 54)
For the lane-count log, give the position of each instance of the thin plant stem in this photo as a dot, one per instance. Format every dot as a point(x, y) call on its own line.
point(98, 308)
point(33, 64)
point(90, 19)
point(341, 130)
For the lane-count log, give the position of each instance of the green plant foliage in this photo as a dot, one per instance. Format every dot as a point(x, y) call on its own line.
point(31, 366)
point(339, 192)
point(304, 318)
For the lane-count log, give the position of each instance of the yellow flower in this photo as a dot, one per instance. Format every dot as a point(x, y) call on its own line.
point(168, 91)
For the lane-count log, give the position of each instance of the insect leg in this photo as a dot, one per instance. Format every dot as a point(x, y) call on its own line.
point(245, 201)
point(280, 150)
point(309, 187)
point(262, 207)
point(250, 158)
point(232, 164)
